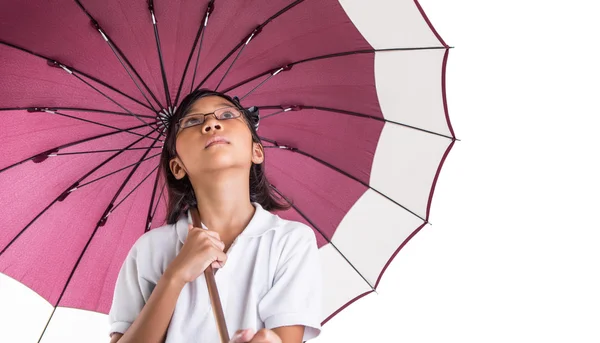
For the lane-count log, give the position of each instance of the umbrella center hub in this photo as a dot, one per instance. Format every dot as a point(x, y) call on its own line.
point(163, 116)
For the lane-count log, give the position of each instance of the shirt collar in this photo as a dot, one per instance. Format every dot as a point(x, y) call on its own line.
point(262, 221)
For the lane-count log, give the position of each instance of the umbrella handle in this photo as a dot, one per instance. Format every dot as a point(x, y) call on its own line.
point(216, 304)
point(212, 289)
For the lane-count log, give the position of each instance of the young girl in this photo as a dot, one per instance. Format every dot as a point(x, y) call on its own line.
point(267, 268)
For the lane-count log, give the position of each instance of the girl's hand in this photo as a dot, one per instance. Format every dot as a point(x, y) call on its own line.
point(201, 249)
point(262, 336)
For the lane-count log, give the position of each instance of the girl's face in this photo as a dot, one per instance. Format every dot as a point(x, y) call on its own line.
point(236, 150)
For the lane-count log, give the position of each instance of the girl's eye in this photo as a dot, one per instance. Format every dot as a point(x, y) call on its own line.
point(227, 115)
point(190, 121)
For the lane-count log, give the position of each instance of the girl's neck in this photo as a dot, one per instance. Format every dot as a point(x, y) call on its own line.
point(224, 204)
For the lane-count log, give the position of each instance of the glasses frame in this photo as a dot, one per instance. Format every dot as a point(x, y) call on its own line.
point(203, 116)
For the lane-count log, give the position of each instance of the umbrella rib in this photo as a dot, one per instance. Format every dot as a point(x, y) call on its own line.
point(356, 114)
point(120, 169)
point(324, 236)
point(127, 70)
point(156, 205)
point(149, 216)
point(257, 86)
point(133, 190)
point(271, 114)
point(74, 143)
point(322, 57)
point(160, 56)
point(233, 62)
point(106, 96)
point(258, 29)
point(218, 65)
point(341, 172)
point(77, 109)
point(100, 151)
point(107, 37)
point(66, 191)
point(50, 111)
point(199, 35)
point(100, 223)
point(198, 55)
point(77, 71)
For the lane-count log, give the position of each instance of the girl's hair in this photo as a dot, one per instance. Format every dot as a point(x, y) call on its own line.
point(180, 192)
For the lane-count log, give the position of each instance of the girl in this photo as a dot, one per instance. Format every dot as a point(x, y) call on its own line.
point(268, 272)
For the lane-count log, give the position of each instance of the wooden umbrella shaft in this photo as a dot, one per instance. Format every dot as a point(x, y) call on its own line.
point(216, 304)
point(212, 289)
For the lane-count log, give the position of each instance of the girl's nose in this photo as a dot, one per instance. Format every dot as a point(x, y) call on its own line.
point(211, 123)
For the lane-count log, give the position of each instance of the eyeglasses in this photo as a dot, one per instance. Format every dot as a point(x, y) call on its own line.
point(199, 118)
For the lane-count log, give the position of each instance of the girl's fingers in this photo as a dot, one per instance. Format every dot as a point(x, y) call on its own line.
point(265, 336)
point(212, 236)
point(217, 243)
point(219, 257)
point(242, 336)
point(208, 232)
point(220, 260)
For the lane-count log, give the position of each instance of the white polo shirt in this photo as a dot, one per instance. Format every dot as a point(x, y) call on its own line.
point(272, 278)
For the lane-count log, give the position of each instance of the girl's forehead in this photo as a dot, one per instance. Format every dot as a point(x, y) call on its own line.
point(208, 104)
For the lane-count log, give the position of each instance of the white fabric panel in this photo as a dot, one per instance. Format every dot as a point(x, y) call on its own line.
point(372, 231)
point(409, 88)
point(390, 23)
point(405, 164)
point(23, 313)
point(340, 281)
point(74, 325)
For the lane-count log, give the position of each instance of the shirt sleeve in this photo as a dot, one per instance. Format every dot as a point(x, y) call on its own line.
point(131, 292)
point(295, 297)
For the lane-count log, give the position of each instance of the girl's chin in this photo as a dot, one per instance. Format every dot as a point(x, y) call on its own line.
point(223, 162)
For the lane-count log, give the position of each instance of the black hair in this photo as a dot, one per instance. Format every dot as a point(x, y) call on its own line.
point(181, 195)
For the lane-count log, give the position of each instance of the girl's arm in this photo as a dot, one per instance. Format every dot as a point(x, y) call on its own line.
point(201, 249)
point(283, 334)
point(151, 324)
point(290, 334)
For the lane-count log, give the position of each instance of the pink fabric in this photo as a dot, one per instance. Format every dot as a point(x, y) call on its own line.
point(28, 81)
point(327, 82)
point(35, 185)
point(319, 192)
point(59, 30)
point(64, 251)
point(45, 254)
point(43, 131)
point(319, 133)
point(94, 278)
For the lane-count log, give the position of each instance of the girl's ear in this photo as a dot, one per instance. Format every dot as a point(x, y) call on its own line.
point(258, 153)
point(177, 168)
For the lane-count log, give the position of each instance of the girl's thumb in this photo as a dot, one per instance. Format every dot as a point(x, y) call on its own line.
point(190, 227)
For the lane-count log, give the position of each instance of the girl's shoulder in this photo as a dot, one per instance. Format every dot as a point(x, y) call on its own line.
point(163, 236)
point(155, 249)
point(293, 232)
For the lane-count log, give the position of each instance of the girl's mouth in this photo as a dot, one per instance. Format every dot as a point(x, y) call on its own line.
point(216, 140)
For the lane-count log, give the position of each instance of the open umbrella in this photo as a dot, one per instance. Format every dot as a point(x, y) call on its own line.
point(351, 96)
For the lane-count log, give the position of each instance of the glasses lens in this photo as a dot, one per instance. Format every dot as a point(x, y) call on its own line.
point(191, 120)
point(227, 113)
point(198, 119)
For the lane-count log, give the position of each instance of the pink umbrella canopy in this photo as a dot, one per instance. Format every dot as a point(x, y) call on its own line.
point(353, 115)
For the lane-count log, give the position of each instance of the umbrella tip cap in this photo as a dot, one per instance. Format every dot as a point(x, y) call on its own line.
point(53, 63)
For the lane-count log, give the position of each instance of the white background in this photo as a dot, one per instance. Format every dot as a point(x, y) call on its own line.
point(513, 254)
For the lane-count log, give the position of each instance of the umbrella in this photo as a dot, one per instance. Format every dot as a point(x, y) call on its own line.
point(354, 121)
